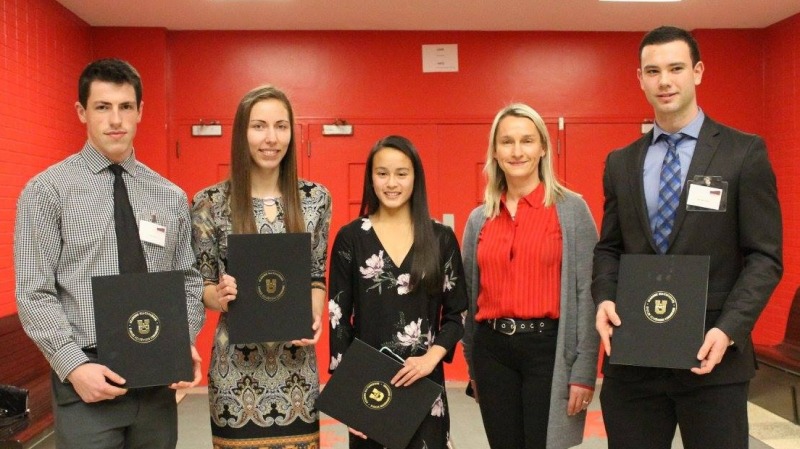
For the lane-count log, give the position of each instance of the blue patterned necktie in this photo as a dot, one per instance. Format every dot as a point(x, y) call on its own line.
point(669, 192)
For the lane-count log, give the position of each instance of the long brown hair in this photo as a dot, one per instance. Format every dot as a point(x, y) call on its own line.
point(240, 199)
point(425, 268)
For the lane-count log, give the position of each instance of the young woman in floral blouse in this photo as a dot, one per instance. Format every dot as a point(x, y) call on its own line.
point(396, 281)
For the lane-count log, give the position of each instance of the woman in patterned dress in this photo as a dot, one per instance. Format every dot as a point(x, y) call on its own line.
point(261, 395)
point(397, 281)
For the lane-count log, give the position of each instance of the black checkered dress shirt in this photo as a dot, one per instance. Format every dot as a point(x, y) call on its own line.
point(64, 236)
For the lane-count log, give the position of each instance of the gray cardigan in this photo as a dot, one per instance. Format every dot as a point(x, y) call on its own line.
point(578, 342)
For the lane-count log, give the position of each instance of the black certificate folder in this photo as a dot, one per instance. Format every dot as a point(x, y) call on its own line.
point(661, 301)
point(360, 395)
point(273, 279)
point(142, 327)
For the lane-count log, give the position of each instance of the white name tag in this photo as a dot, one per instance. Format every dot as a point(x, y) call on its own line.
point(703, 196)
point(152, 233)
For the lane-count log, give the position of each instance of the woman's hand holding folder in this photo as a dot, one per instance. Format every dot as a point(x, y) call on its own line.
point(416, 368)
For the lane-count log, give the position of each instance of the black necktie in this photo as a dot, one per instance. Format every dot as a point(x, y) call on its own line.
point(129, 247)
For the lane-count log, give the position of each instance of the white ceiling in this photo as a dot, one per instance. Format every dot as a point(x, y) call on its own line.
point(511, 15)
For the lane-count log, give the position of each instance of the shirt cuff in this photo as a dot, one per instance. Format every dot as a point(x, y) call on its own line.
point(587, 387)
point(66, 359)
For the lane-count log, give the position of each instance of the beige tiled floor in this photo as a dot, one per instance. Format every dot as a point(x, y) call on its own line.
point(773, 430)
point(766, 429)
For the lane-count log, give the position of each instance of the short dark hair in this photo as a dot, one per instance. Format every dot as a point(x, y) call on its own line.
point(109, 70)
point(667, 34)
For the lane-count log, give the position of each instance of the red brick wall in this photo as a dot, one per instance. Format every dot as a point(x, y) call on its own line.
point(782, 131)
point(43, 48)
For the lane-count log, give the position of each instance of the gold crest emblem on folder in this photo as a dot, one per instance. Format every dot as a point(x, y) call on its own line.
point(143, 326)
point(271, 285)
point(377, 395)
point(660, 307)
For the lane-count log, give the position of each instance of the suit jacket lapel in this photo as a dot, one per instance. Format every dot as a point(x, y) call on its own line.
point(636, 170)
point(704, 151)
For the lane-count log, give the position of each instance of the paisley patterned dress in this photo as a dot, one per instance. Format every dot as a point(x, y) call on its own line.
point(260, 395)
point(370, 299)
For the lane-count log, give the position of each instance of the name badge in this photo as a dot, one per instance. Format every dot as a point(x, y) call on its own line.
point(152, 233)
point(707, 193)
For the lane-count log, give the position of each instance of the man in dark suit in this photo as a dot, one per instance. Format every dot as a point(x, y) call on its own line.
point(642, 406)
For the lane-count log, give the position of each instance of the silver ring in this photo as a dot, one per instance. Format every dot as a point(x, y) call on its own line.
point(586, 402)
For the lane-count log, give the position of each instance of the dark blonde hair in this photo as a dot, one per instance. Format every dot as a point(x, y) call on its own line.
point(496, 183)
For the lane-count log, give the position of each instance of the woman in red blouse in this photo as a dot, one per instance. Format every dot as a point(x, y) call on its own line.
point(529, 334)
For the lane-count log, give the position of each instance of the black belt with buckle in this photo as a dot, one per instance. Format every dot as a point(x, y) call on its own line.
point(511, 326)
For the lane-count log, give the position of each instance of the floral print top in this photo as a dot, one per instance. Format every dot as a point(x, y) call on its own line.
point(370, 297)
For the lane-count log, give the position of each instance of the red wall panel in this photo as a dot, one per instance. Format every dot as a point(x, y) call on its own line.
point(733, 87)
point(781, 129)
point(43, 48)
point(145, 49)
point(372, 74)
point(364, 74)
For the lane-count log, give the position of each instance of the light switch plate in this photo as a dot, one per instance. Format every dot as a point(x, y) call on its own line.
point(449, 220)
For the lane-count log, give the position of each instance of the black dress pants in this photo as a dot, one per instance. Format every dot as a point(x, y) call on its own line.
point(513, 374)
point(643, 413)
